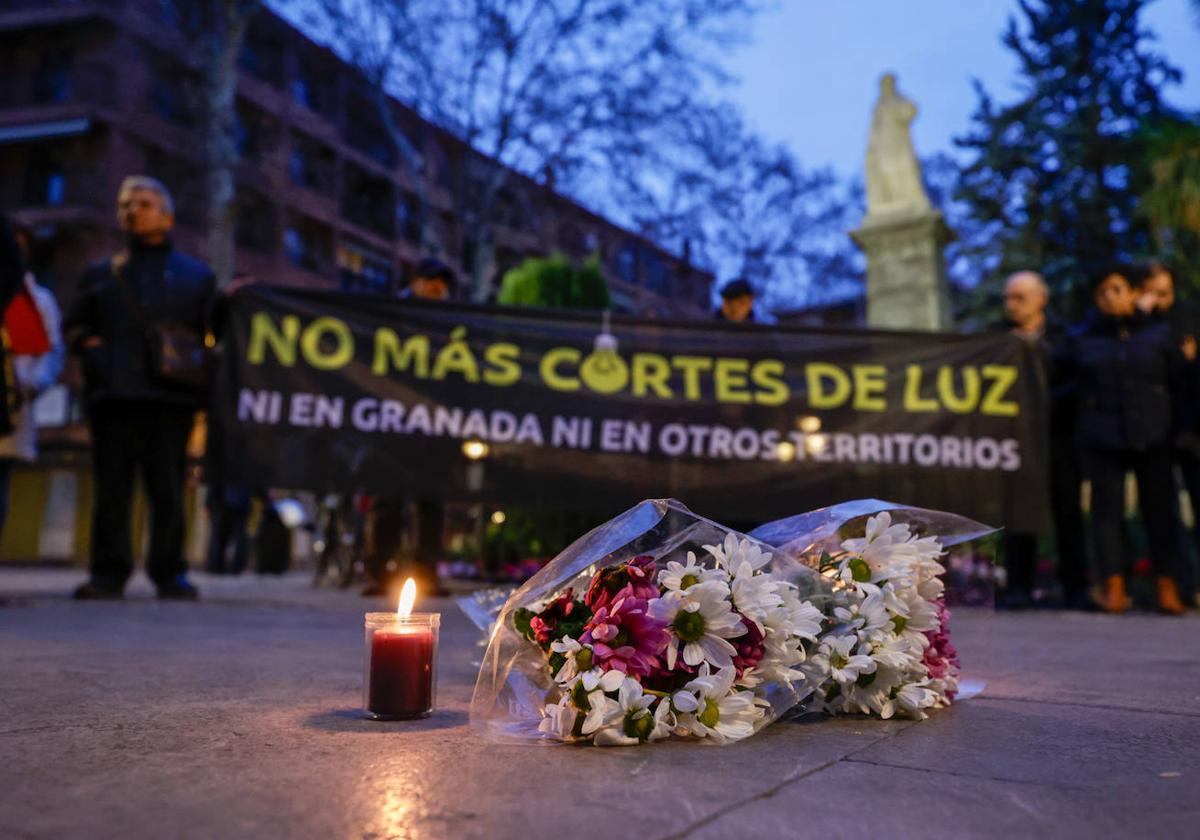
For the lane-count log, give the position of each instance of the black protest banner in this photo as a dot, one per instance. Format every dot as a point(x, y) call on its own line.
point(327, 391)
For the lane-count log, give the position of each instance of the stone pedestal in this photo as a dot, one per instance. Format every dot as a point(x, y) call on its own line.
point(906, 270)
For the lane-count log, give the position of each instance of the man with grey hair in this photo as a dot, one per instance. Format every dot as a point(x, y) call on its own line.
point(1025, 299)
point(139, 322)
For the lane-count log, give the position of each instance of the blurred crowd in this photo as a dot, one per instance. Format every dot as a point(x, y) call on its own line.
point(1122, 386)
point(1122, 394)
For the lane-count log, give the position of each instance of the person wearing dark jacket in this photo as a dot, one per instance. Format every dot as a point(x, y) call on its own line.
point(1025, 299)
point(138, 322)
point(1128, 376)
point(1155, 283)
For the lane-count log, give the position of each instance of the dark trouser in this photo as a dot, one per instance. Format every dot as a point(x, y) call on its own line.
point(1106, 469)
point(228, 514)
point(1066, 478)
point(1020, 549)
point(130, 438)
point(389, 516)
point(1189, 467)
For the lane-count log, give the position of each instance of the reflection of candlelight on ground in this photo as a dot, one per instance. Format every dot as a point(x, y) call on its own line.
point(401, 647)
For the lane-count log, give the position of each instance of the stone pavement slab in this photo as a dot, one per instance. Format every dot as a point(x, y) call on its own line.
point(238, 716)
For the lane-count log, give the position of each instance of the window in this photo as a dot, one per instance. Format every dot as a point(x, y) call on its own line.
point(247, 134)
point(627, 264)
point(168, 99)
point(52, 80)
point(367, 201)
point(297, 251)
point(408, 218)
point(366, 132)
point(308, 245)
point(262, 57)
point(654, 272)
point(255, 222)
point(45, 182)
point(310, 164)
point(362, 270)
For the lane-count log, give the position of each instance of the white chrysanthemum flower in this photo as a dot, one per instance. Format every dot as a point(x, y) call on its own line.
point(914, 698)
point(754, 595)
point(589, 694)
point(558, 719)
point(677, 576)
point(734, 554)
point(895, 651)
point(721, 712)
point(868, 617)
point(636, 723)
point(871, 694)
point(571, 650)
point(803, 618)
point(838, 656)
point(701, 619)
point(922, 615)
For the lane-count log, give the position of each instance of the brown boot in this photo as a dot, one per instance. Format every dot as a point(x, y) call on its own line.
point(1168, 597)
point(1113, 599)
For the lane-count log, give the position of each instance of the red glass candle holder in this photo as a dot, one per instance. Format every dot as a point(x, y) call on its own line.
point(400, 665)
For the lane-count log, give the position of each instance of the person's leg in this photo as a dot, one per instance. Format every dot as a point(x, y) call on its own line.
point(1159, 505)
point(115, 447)
point(1106, 471)
point(1020, 552)
point(6, 465)
point(1066, 477)
point(1189, 468)
point(164, 467)
point(217, 516)
point(431, 529)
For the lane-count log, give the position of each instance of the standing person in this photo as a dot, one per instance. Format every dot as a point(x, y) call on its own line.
point(34, 326)
point(1155, 283)
point(139, 323)
point(1128, 377)
point(737, 302)
point(432, 281)
point(1025, 299)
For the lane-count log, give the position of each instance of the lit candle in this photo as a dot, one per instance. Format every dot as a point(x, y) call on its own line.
point(399, 676)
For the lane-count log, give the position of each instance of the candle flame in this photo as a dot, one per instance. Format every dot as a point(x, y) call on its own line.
point(408, 597)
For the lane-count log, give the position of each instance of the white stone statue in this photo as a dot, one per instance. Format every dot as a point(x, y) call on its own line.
point(894, 183)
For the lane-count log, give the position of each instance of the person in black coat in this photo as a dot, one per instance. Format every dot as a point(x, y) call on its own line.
point(737, 302)
point(140, 417)
point(1155, 283)
point(1025, 299)
point(1128, 377)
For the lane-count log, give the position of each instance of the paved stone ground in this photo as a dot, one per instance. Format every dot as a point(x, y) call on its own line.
point(238, 717)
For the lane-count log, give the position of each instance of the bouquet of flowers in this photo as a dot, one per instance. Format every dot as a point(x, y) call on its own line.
point(661, 623)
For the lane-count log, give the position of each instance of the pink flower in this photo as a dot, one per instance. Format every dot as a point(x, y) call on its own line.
point(545, 623)
point(941, 657)
point(623, 637)
point(750, 649)
point(638, 574)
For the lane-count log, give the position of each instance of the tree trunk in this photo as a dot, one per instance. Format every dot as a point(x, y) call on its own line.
point(223, 46)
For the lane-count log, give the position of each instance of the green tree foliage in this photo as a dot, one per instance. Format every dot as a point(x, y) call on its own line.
point(1056, 175)
point(1171, 201)
point(555, 282)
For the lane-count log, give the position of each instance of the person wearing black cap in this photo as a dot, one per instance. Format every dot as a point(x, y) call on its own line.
point(432, 280)
point(1128, 376)
point(737, 302)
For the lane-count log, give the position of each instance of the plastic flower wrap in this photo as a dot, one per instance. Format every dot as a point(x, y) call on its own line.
point(661, 623)
point(658, 623)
